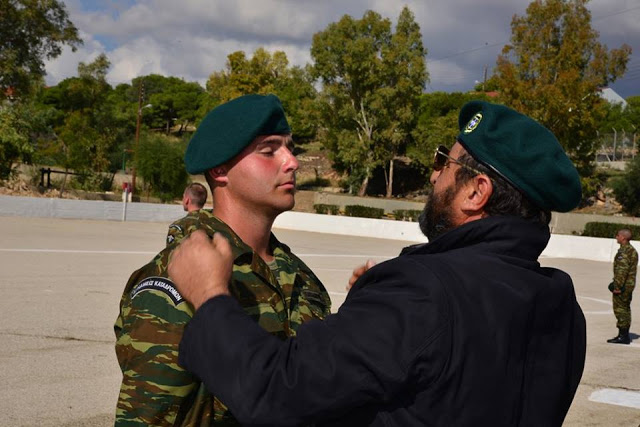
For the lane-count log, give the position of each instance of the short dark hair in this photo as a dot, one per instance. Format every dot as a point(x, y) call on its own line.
point(198, 193)
point(505, 199)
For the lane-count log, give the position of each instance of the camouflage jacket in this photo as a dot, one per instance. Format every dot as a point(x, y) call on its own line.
point(625, 266)
point(155, 390)
point(177, 228)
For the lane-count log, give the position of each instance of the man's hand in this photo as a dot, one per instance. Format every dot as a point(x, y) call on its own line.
point(359, 271)
point(201, 267)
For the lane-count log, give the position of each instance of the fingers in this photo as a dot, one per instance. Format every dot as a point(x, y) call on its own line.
point(221, 244)
point(359, 271)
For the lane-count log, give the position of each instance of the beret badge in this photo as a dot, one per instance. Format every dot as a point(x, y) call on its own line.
point(473, 123)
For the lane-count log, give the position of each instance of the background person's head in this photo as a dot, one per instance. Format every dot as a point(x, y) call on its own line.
point(624, 236)
point(194, 197)
point(504, 163)
point(244, 148)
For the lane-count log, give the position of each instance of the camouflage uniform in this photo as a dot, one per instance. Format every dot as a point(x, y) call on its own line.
point(625, 266)
point(177, 228)
point(155, 389)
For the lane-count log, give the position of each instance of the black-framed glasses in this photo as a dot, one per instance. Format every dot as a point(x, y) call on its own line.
point(441, 160)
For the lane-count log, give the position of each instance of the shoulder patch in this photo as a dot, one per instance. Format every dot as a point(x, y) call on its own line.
point(175, 227)
point(170, 239)
point(161, 284)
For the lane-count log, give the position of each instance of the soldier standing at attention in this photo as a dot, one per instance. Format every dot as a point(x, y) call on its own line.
point(243, 148)
point(193, 199)
point(625, 266)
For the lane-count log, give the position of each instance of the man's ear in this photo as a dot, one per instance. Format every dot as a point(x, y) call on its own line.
point(218, 174)
point(477, 193)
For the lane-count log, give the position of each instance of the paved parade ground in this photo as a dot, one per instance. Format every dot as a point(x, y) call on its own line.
point(61, 281)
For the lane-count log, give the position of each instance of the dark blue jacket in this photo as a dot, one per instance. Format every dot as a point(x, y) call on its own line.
point(465, 330)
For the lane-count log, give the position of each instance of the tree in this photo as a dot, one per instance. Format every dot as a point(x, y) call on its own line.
point(88, 135)
point(14, 138)
point(437, 123)
point(553, 69)
point(30, 32)
point(627, 188)
point(173, 100)
point(160, 162)
point(372, 80)
point(266, 73)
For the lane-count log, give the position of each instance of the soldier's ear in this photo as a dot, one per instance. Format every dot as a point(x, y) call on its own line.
point(218, 174)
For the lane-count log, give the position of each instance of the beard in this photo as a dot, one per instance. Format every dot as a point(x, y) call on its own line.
point(436, 218)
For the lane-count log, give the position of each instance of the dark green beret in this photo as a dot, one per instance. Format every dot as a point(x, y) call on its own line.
point(522, 151)
point(230, 127)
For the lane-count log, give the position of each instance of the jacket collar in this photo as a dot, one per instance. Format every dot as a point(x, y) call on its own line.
point(507, 235)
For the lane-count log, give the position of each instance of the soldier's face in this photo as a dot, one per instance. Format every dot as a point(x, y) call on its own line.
point(263, 175)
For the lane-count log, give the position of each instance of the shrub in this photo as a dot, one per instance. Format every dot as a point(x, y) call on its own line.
point(312, 183)
point(627, 188)
point(326, 209)
point(363, 211)
point(407, 214)
point(160, 163)
point(608, 229)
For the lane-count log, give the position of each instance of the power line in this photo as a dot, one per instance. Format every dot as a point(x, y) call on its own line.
point(486, 45)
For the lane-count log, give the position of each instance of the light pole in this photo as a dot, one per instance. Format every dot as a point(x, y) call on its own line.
point(138, 120)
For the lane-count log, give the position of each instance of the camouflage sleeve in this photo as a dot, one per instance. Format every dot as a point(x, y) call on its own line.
point(621, 268)
point(154, 390)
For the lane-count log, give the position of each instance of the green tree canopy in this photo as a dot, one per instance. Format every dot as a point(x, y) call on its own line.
point(88, 136)
point(266, 73)
point(31, 31)
point(372, 80)
point(553, 68)
point(627, 188)
point(15, 127)
point(173, 101)
point(160, 162)
point(437, 123)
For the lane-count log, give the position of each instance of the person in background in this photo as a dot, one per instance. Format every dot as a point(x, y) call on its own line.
point(193, 199)
point(625, 267)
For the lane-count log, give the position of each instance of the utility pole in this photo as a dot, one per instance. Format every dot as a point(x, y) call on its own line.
point(484, 78)
point(135, 144)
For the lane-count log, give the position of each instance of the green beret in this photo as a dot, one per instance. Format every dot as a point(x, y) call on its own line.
point(523, 152)
point(230, 127)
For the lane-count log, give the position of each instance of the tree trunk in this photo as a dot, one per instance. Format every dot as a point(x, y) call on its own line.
point(363, 187)
point(390, 179)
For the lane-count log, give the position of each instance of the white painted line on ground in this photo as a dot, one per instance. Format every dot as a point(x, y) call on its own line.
point(607, 302)
point(345, 256)
point(598, 312)
point(630, 399)
point(337, 293)
point(78, 251)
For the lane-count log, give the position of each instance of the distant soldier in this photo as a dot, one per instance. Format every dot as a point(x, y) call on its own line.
point(244, 149)
point(625, 266)
point(193, 199)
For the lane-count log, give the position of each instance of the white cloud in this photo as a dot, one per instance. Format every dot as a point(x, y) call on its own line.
point(66, 65)
point(192, 38)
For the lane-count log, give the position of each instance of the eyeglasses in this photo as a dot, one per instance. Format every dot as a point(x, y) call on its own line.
point(441, 160)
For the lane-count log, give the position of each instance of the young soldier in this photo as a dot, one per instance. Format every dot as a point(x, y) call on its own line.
point(244, 149)
point(625, 267)
point(193, 199)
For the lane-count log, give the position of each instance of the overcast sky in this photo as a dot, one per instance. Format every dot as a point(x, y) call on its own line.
point(192, 38)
